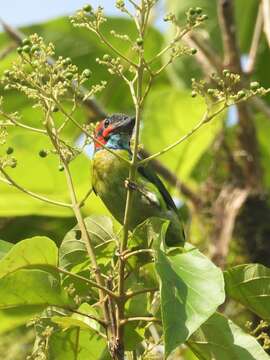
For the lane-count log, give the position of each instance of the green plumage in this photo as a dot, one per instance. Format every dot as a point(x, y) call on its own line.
point(151, 199)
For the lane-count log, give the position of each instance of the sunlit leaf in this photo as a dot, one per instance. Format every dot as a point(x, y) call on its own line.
point(220, 339)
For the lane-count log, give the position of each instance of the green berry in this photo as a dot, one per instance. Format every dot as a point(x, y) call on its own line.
point(241, 94)
point(87, 8)
point(6, 73)
point(106, 57)
point(192, 11)
point(193, 94)
point(139, 41)
point(35, 48)
point(193, 51)
point(26, 49)
point(254, 85)
point(19, 50)
point(198, 10)
point(67, 61)
point(26, 42)
point(61, 168)
point(13, 164)
point(86, 73)
point(9, 150)
point(210, 91)
point(43, 153)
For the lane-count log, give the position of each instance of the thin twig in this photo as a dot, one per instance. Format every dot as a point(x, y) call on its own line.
point(206, 118)
point(140, 318)
point(8, 180)
point(139, 292)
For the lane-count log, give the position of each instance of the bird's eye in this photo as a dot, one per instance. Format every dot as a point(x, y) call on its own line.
point(106, 123)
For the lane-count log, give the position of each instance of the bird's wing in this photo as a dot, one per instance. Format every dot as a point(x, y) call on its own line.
point(148, 173)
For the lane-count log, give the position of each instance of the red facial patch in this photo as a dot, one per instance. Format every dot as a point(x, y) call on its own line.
point(101, 133)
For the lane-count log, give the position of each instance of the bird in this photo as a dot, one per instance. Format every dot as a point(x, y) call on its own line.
point(110, 180)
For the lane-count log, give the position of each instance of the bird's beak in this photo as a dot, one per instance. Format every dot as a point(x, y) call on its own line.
point(124, 126)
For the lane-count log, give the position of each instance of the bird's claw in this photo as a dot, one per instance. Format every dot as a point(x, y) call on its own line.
point(131, 185)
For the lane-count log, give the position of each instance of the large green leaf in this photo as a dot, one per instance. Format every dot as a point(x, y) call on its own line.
point(250, 285)
point(169, 114)
point(191, 288)
point(76, 344)
point(73, 251)
point(25, 287)
point(32, 287)
point(11, 318)
point(37, 251)
point(220, 339)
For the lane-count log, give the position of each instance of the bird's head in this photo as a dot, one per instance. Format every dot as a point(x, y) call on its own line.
point(115, 132)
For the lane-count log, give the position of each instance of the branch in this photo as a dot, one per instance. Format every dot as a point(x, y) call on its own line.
point(247, 132)
point(255, 41)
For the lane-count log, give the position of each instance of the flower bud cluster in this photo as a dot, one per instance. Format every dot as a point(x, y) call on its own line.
point(227, 88)
point(89, 18)
point(113, 65)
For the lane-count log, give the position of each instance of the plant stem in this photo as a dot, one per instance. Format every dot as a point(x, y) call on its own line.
point(137, 100)
point(8, 180)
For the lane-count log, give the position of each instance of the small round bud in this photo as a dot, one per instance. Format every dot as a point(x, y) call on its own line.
point(43, 153)
point(226, 72)
point(61, 168)
point(6, 73)
point(87, 8)
point(204, 17)
point(34, 48)
point(254, 85)
point(198, 10)
point(139, 41)
point(55, 109)
point(106, 57)
point(193, 94)
point(13, 164)
point(193, 51)
point(19, 50)
point(210, 91)
point(67, 61)
point(86, 73)
point(9, 150)
point(192, 11)
point(26, 42)
point(69, 76)
point(26, 49)
point(241, 94)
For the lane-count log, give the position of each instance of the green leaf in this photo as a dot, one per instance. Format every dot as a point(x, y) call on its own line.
point(32, 287)
point(220, 339)
point(192, 288)
point(37, 251)
point(5, 246)
point(250, 285)
point(73, 251)
point(77, 344)
point(79, 320)
point(13, 317)
point(169, 114)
